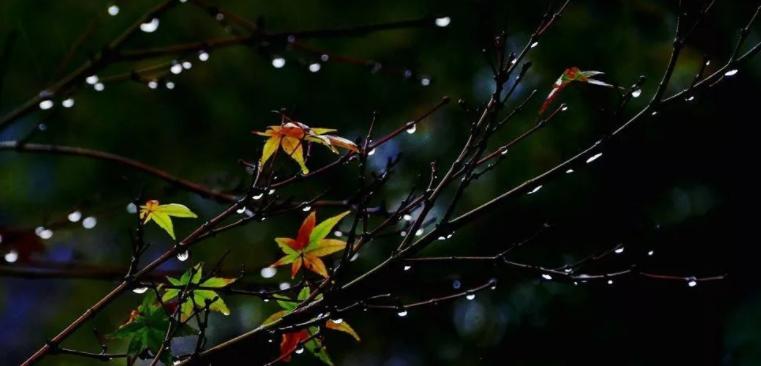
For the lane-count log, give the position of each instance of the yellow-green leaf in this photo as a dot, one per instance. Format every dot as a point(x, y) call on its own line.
point(323, 229)
point(342, 326)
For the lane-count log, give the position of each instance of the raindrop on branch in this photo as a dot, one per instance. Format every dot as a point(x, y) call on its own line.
point(610, 282)
point(75, 216)
point(338, 234)
point(337, 321)
point(67, 103)
point(169, 85)
point(402, 313)
point(11, 256)
point(470, 296)
point(92, 79)
point(407, 267)
point(46, 104)
point(636, 93)
point(443, 22)
point(187, 65)
point(284, 286)
point(407, 217)
point(419, 232)
point(299, 350)
point(412, 128)
point(594, 157)
point(619, 250)
point(131, 208)
point(569, 171)
point(183, 256)
point(536, 189)
point(140, 290)
point(692, 282)
point(268, 272)
point(278, 62)
point(258, 196)
point(425, 81)
point(315, 67)
point(203, 56)
point(534, 44)
point(113, 10)
point(153, 84)
point(306, 208)
point(176, 69)
point(690, 98)
point(99, 87)
point(89, 222)
point(150, 26)
point(547, 276)
point(650, 253)
point(732, 72)
point(371, 152)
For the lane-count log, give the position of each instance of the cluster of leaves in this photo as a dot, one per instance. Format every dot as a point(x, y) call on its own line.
point(571, 74)
point(308, 337)
point(148, 324)
point(310, 244)
point(291, 137)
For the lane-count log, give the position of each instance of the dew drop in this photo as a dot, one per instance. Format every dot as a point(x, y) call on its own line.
point(258, 196)
point(690, 98)
point(504, 152)
point(68, 102)
point(315, 67)
point(99, 87)
point(619, 250)
point(241, 210)
point(75, 216)
point(338, 234)
point(536, 189)
point(402, 313)
point(183, 256)
point(271, 192)
point(470, 296)
point(113, 10)
point(176, 69)
point(443, 22)
point(92, 79)
point(650, 253)
point(692, 282)
point(569, 171)
point(324, 57)
point(407, 267)
point(11, 256)
point(306, 208)
point(610, 282)
point(594, 157)
point(150, 26)
point(299, 350)
point(89, 222)
point(46, 104)
point(187, 65)
point(284, 286)
point(169, 85)
point(153, 84)
point(456, 284)
point(412, 128)
point(636, 93)
point(140, 290)
point(419, 232)
point(425, 81)
point(564, 108)
point(337, 321)
point(442, 237)
point(278, 62)
point(203, 56)
point(546, 276)
point(534, 44)
point(268, 272)
point(407, 217)
point(371, 152)
point(46, 234)
point(732, 72)
point(131, 208)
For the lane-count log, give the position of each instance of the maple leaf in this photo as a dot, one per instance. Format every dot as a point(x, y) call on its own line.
point(292, 340)
point(310, 244)
point(146, 328)
point(161, 214)
point(291, 137)
point(199, 292)
point(570, 75)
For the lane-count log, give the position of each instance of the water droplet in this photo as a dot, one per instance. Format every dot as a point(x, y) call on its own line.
point(650, 253)
point(169, 85)
point(568, 270)
point(619, 250)
point(187, 65)
point(403, 233)
point(732, 72)
point(324, 57)
point(203, 56)
point(690, 98)
point(564, 108)
point(183, 256)
point(407, 217)
point(443, 22)
point(258, 196)
point(575, 283)
point(610, 282)
point(92, 79)
point(407, 267)
point(450, 235)
point(594, 157)
point(89, 222)
point(338, 234)
point(337, 321)
point(75, 216)
point(284, 286)
point(46, 234)
point(456, 284)
point(99, 87)
point(536, 189)
point(176, 69)
point(442, 237)
point(546, 276)
point(412, 128)
point(306, 208)
point(315, 67)
point(113, 10)
point(534, 44)
point(419, 232)
point(68, 102)
point(11, 256)
point(153, 84)
point(569, 171)
point(636, 93)
point(150, 26)
point(407, 73)
point(219, 17)
point(708, 62)
point(470, 296)
point(504, 152)
point(692, 282)
point(46, 104)
point(354, 257)
point(371, 152)
point(425, 81)
point(241, 210)
point(268, 272)
point(654, 113)
point(299, 350)
point(131, 208)
point(278, 62)
point(402, 313)
point(271, 192)
point(140, 290)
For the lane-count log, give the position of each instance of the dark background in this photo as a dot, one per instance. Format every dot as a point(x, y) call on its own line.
point(682, 184)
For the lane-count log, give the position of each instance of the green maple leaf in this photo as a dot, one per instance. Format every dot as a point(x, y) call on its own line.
point(199, 292)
